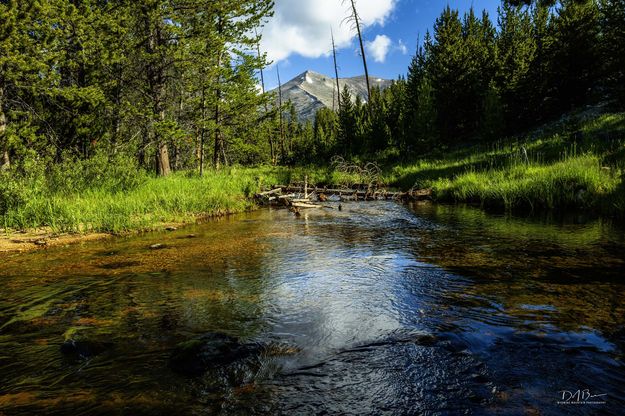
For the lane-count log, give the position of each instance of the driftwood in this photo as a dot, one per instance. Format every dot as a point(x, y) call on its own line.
point(291, 195)
point(273, 191)
point(305, 205)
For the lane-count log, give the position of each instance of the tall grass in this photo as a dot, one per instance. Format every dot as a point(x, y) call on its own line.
point(575, 182)
point(571, 164)
point(568, 165)
point(114, 201)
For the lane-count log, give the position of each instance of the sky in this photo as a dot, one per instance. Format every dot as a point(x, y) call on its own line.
point(297, 37)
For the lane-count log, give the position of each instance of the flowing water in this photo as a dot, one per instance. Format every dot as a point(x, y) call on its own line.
point(376, 309)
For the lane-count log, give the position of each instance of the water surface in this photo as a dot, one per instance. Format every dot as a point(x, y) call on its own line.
point(376, 309)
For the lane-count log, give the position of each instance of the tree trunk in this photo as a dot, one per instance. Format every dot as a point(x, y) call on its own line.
point(163, 167)
point(218, 134)
point(336, 73)
point(362, 49)
point(219, 140)
point(262, 83)
point(156, 81)
point(5, 162)
point(281, 115)
point(202, 132)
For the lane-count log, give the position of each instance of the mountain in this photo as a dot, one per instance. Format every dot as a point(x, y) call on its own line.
point(311, 91)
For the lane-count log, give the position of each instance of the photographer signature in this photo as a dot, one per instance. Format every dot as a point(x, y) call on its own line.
point(581, 397)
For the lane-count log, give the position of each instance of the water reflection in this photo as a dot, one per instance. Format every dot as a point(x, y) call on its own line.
point(378, 308)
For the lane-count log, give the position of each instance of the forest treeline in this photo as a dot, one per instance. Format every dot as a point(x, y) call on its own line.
point(173, 84)
point(166, 83)
point(473, 81)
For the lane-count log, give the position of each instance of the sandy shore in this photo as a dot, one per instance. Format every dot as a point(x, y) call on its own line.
point(43, 238)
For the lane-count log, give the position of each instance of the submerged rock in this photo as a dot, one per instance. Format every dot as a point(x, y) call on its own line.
point(211, 351)
point(84, 348)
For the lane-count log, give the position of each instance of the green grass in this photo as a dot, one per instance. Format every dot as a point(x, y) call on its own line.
point(576, 163)
point(177, 198)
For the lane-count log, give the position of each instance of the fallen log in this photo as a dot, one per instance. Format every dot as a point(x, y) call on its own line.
point(269, 193)
point(304, 205)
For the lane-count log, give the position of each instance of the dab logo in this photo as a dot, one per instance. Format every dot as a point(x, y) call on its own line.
point(580, 397)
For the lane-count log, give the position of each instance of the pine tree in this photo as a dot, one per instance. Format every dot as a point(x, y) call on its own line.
point(492, 122)
point(538, 83)
point(377, 136)
point(326, 132)
point(26, 71)
point(347, 123)
point(574, 53)
point(425, 131)
point(613, 47)
point(516, 47)
point(447, 69)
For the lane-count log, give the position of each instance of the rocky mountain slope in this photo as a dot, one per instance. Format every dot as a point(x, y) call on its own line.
point(311, 91)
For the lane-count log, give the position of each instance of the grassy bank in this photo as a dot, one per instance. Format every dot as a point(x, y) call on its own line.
point(94, 198)
point(577, 162)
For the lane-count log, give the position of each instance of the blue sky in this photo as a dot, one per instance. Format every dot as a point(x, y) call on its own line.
point(302, 27)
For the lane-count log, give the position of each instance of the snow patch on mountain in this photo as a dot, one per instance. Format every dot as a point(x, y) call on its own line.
point(311, 91)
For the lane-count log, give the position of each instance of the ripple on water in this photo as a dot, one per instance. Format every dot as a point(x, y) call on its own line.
point(376, 309)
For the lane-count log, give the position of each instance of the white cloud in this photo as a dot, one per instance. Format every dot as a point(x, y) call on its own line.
point(303, 26)
point(401, 46)
point(379, 48)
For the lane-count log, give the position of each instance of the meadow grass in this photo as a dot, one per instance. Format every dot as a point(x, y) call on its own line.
point(575, 164)
point(571, 165)
point(155, 201)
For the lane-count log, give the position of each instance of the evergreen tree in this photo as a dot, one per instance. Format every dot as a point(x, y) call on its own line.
point(538, 82)
point(25, 73)
point(492, 122)
point(516, 47)
point(326, 133)
point(613, 47)
point(575, 54)
point(347, 123)
point(447, 69)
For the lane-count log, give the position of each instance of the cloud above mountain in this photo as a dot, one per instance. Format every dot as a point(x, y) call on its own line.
point(303, 26)
point(379, 48)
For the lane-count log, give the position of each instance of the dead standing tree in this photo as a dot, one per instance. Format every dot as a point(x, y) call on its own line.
point(354, 18)
point(280, 110)
point(336, 72)
point(262, 84)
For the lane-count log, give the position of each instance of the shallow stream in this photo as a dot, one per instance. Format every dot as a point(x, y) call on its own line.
point(377, 309)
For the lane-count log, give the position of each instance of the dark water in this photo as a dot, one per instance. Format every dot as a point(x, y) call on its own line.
point(378, 309)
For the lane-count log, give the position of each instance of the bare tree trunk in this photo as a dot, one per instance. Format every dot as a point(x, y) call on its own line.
point(163, 167)
point(281, 115)
point(5, 162)
point(218, 150)
point(117, 119)
point(156, 80)
point(336, 73)
point(202, 131)
point(362, 48)
point(262, 83)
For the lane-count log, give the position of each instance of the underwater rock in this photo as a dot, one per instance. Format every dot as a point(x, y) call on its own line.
point(211, 351)
point(84, 348)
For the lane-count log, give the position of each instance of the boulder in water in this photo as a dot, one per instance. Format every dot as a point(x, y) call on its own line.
point(84, 348)
point(211, 351)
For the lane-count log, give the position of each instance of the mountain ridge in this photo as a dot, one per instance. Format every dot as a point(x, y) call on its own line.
point(311, 91)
